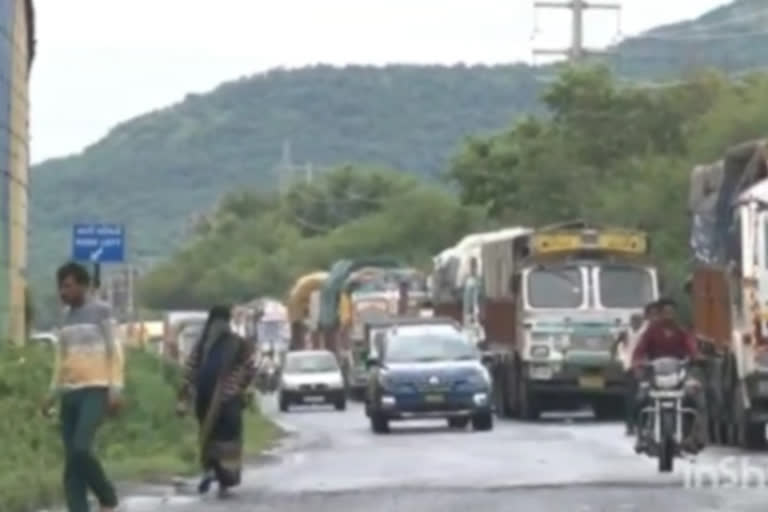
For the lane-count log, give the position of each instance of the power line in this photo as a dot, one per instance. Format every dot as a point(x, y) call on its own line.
point(576, 51)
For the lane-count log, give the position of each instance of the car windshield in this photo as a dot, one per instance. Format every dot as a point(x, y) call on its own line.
point(556, 287)
point(417, 348)
point(625, 287)
point(310, 363)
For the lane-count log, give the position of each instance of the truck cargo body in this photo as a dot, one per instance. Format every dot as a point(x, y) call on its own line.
point(729, 292)
point(299, 305)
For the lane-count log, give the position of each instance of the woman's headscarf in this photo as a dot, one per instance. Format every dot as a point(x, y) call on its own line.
point(217, 324)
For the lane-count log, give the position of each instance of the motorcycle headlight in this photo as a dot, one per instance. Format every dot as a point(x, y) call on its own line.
point(669, 381)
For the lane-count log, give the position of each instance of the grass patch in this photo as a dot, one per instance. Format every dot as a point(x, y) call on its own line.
point(147, 441)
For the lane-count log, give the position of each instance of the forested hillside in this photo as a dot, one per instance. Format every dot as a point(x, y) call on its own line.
point(154, 171)
point(603, 153)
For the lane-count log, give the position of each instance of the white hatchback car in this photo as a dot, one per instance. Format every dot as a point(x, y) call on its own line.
point(311, 377)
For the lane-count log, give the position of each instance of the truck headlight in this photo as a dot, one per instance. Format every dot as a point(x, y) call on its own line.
point(540, 351)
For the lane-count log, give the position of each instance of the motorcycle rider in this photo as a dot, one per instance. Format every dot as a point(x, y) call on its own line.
point(627, 342)
point(267, 371)
point(665, 337)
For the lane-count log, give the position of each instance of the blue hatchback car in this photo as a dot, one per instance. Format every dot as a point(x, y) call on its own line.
point(428, 372)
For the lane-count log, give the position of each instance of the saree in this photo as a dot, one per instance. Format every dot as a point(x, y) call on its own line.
point(220, 371)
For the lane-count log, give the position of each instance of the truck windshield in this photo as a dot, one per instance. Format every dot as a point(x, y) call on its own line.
point(625, 287)
point(556, 287)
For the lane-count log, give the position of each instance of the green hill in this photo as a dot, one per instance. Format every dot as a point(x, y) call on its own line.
point(155, 171)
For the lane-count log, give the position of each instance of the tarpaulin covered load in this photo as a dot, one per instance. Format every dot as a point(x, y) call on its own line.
point(298, 298)
point(451, 267)
point(714, 189)
point(329, 295)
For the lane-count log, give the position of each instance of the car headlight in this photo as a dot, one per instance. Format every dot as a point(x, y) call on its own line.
point(540, 351)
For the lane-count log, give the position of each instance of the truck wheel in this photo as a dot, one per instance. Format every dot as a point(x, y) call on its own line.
point(527, 402)
point(482, 422)
point(500, 403)
point(379, 424)
point(458, 422)
point(340, 404)
point(753, 436)
point(284, 406)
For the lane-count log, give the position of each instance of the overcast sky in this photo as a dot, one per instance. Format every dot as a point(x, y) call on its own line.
point(104, 61)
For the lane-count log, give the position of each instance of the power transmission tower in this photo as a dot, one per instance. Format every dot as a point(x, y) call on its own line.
point(577, 50)
point(285, 169)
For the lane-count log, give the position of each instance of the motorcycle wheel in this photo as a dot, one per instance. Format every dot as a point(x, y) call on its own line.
point(667, 455)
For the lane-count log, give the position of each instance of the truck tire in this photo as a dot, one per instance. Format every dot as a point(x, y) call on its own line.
point(500, 402)
point(284, 406)
point(341, 404)
point(528, 402)
point(379, 423)
point(752, 436)
point(482, 422)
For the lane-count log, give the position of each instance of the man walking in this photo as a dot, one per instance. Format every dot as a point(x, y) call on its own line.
point(87, 381)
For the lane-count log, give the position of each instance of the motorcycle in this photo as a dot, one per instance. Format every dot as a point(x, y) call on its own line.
point(665, 417)
point(268, 380)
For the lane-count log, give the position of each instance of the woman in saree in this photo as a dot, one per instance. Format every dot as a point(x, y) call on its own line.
point(217, 375)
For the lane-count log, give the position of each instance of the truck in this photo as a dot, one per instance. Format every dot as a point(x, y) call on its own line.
point(728, 205)
point(302, 295)
point(325, 309)
point(182, 329)
point(375, 293)
point(555, 300)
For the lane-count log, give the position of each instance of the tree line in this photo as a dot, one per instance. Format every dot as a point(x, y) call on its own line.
point(602, 152)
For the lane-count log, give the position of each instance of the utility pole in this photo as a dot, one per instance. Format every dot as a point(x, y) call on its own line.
point(576, 51)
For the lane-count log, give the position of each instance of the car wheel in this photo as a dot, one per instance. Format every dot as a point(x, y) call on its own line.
point(340, 404)
point(482, 422)
point(458, 423)
point(284, 406)
point(379, 424)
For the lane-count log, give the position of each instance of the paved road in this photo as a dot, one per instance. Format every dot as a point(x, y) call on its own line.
point(334, 463)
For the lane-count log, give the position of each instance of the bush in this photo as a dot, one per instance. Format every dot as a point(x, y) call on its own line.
point(147, 440)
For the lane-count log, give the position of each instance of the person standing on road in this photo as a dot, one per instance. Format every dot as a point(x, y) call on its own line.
point(87, 381)
point(218, 372)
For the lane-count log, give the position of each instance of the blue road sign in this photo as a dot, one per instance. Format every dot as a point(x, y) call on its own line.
point(98, 243)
